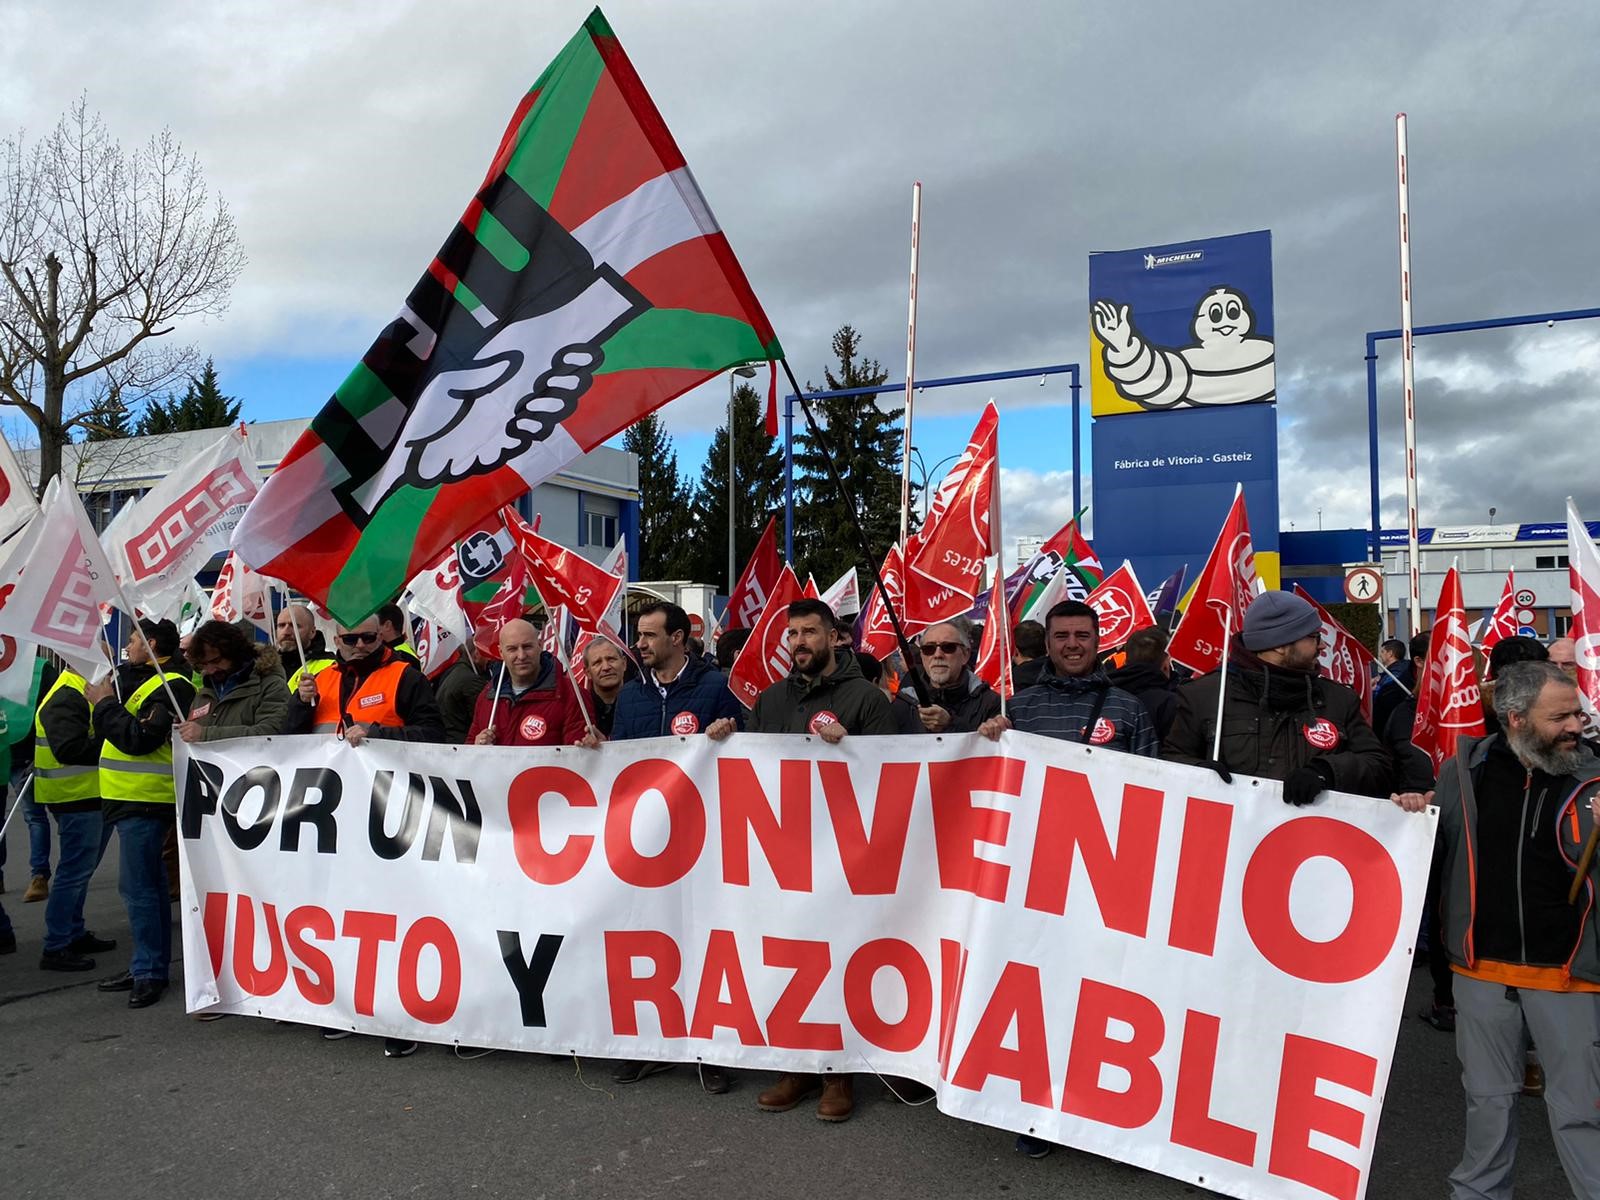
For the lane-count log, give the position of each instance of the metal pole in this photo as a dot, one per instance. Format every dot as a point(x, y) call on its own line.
point(788, 479)
point(1077, 450)
point(1407, 369)
point(911, 367)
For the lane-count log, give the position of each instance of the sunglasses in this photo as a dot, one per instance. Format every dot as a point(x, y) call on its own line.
point(358, 639)
point(941, 647)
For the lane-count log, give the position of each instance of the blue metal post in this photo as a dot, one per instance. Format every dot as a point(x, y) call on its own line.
point(1376, 543)
point(1077, 451)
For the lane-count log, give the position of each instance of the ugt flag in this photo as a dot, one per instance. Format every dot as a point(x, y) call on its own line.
point(1583, 573)
point(1449, 705)
point(586, 284)
point(1226, 587)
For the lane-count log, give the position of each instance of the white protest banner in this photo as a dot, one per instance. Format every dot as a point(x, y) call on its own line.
point(17, 505)
point(183, 522)
point(1119, 954)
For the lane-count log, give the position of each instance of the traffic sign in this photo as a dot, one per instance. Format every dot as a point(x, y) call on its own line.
point(1525, 598)
point(1527, 631)
point(1363, 584)
point(1525, 616)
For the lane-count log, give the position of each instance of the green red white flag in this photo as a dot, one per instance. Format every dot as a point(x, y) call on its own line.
point(1067, 549)
point(586, 284)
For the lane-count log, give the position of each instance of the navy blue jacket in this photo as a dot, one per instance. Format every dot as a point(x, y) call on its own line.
point(696, 698)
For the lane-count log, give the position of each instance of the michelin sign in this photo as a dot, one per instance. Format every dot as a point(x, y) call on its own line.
point(1182, 389)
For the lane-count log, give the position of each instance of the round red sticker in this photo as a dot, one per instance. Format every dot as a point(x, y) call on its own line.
point(822, 720)
point(1323, 734)
point(1104, 731)
point(686, 722)
point(533, 727)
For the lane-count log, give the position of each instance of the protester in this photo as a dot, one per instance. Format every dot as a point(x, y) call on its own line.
point(1506, 652)
point(392, 628)
point(1028, 654)
point(33, 814)
point(1564, 653)
point(1392, 684)
point(958, 701)
point(140, 796)
point(1514, 811)
point(297, 630)
point(1073, 698)
point(456, 690)
point(66, 782)
point(1146, 673)
point(677, 693)
point(728, 646)
point(242, 693)
point(531, 702)
point(607, 669)
point(1280, 719)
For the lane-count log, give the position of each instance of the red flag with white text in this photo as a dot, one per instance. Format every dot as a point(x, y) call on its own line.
point(1120, 604)
point(1583, 574)
point(565, 578)
point(1503, 623)
point(765, 659)
point(877, 631)
point(1449, 706)
point(756, 581)
point(1344, 657)
point(1226, 587)
point(993, 665)
point(945, 562)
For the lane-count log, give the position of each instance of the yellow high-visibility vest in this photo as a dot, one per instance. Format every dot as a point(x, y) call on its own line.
point(141, 778)
point(56, 782)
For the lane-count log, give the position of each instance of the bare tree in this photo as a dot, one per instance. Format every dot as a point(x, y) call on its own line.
point(102, 251)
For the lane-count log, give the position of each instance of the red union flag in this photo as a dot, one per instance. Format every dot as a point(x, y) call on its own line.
point(756, 582)
point(159, 543)
point(944, 565)
point(1583, 574)
point(241, 593)
point(564, 578)
point(53, 584)
point(1344, 657)
point(877, 631)
point(1226, 587)
point(765, 657)
point(1120, 604)
point(1448, 704)
point(1503, 623)
point(994, 649)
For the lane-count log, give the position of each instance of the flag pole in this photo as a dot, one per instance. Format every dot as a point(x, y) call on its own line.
point(1222, 685)
point(21, 796)
point(166, 686)
point(1408, 370)
point(566, 665)
point(911, 368)
point(997, 589)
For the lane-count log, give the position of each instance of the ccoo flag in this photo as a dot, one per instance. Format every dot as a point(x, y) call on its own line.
point(586, 284)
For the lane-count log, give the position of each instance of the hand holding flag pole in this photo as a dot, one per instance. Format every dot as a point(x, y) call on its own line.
point(1585, 861)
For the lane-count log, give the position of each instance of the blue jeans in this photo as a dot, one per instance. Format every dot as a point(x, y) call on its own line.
point(38, 822)
point(142, 884)
point(83, 840)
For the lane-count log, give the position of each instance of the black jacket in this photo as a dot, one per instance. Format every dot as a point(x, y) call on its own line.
point(150, 730)
point(1274, 721)
point(457, 691)
point(1084, 709)
point(1153, 689)
point(1026, 674)
point(969, 701)
point(1387, 695)
point(795, 704)
point(413, 700)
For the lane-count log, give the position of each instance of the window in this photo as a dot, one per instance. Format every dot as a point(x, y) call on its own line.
point(1549, 562)
point(601, 530)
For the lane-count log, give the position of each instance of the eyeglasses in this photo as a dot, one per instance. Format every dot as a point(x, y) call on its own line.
point(358, 639)
point(941, 647)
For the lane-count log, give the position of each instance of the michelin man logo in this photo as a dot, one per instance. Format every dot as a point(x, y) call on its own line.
point(1224, 365)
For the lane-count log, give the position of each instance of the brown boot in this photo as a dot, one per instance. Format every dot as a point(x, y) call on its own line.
point(788, 1092)
point(38, 889)
point(838, 1098)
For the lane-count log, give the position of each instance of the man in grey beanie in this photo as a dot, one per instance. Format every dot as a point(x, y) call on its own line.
point(1280, 719)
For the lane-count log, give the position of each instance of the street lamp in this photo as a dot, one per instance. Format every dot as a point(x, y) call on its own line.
point(745, 372)
point(927, 474)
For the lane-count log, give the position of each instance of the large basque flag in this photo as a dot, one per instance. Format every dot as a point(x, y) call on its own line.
point(586, 285)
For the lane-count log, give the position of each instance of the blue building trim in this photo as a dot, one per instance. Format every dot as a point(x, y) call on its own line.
point(628, 512)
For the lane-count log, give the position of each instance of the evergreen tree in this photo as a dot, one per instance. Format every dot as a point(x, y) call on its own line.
point(865, 440)
point(758, 490)
point(202, 406)
point(663, 500)
point(108, 420)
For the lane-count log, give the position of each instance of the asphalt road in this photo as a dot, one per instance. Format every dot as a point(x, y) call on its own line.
point(97, 1100)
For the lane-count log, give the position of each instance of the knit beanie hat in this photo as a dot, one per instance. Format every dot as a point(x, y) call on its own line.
point(1276, 619)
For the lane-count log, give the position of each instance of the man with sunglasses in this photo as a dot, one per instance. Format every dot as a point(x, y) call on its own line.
point(1280, 718)
point(368, 693)
point(959, 701)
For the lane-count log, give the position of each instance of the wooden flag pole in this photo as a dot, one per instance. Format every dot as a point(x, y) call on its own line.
point(1584, 863)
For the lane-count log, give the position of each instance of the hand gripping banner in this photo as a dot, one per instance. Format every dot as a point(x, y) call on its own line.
point(1115, 953)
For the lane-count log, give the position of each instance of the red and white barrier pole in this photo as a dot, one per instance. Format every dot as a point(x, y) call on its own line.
point(1408, 372)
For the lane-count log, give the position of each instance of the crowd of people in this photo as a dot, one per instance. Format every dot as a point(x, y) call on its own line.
point(1514, 964)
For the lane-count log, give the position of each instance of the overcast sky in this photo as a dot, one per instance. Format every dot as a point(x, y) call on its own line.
point(347, 137)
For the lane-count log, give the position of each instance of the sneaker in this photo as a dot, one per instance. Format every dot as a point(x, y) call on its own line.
point(1033, 1147)
point(87, 943)
point(330, 1034)
point(398, 1048)
point(1441, 1016)
point(38, 889)
point(64, 960)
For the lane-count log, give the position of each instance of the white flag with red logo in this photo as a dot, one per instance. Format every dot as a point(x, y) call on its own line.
point(756, 581)
point(1120, 604)
point(182, 523)
point(564, 578)
point(1583, 574)
point(1226, 587)
point(1503, 624)
point(1448, 704)
point(434, 598)
point(844, 595)
point(877, 631)
point(17, 505)
point(994, 648)
point(945, 561)
point(241, 593)
point(764, 659)
point(1344, 657)
point(54, 582)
